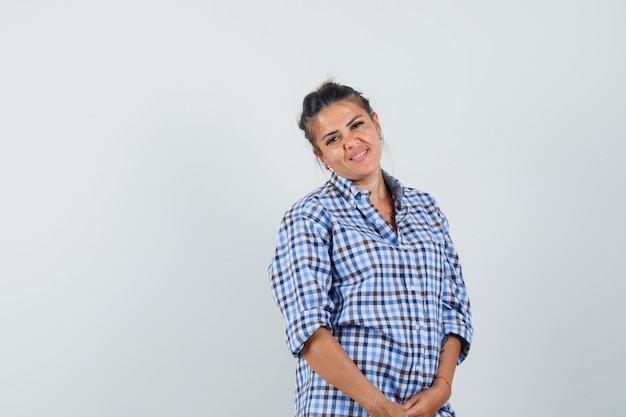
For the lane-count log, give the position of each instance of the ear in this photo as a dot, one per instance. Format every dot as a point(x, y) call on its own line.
point(375, 120)
point(319, 155)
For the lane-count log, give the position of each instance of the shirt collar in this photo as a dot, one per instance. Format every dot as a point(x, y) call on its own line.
point(353, 193)
point(396, 187)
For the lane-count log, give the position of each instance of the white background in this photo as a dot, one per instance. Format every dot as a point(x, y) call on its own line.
point(148, 150)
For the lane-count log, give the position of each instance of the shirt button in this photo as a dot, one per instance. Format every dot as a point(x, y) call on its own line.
point(416, 326)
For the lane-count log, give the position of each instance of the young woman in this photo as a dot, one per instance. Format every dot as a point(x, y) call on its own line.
point(367, 278)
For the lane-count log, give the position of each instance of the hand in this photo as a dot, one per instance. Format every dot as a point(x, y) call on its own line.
point(387, 408)
point(426, 403)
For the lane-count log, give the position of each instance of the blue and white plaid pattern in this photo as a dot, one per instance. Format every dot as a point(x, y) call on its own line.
point(388, 297)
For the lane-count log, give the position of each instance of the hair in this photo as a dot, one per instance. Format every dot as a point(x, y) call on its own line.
point(326, 95)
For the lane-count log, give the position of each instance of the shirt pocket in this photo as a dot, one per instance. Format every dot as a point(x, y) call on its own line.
point(353, 254)
point(427, 266)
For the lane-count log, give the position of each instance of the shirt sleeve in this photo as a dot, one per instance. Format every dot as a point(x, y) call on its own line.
point(457, 317)
point(300, 277)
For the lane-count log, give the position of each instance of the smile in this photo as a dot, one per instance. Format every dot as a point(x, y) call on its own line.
point(359, 155)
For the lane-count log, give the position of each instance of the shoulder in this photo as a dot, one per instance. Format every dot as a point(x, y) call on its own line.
point(418, 199)
point(314, 206)
point(425, 208)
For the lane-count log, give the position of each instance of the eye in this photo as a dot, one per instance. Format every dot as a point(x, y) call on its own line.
point(358, 124)
point(332, 140)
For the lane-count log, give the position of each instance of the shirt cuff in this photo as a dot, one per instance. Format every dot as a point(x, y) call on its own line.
point(465, 334)
point(303, 327)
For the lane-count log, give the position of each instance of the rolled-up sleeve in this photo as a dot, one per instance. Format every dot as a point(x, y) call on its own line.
point(300, 276)
point(457, 317)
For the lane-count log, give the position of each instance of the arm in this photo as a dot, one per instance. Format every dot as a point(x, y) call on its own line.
point(301, 279)
point(329, 360)
point(428, 402)
point(457, 328)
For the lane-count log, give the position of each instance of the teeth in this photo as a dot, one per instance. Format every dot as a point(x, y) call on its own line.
point(358, 155)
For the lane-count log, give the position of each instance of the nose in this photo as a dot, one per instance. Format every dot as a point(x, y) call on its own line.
point(350, 140)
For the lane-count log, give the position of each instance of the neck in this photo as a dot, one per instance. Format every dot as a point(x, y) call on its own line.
point(381, 197)
point(376, 186)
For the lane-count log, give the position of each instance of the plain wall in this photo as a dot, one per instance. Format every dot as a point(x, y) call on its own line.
point(148, 151)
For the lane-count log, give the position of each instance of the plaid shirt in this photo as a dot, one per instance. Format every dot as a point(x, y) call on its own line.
point(388, 297)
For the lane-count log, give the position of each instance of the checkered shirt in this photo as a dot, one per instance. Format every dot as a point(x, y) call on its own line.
point(389, 297)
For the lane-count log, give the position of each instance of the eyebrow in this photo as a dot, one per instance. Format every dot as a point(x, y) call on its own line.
point(347, 124)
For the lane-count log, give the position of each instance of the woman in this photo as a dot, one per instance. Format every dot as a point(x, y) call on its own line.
point(367, 278)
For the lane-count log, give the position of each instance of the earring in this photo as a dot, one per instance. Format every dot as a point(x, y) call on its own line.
point(328, 167)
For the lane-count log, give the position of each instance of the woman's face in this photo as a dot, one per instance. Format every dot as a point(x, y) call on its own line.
point(348, 140)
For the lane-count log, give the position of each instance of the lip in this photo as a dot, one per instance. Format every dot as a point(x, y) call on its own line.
point(359, 156)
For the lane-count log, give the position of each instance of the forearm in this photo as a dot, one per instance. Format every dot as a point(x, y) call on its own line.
point(448, 357)
point(328, 359)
